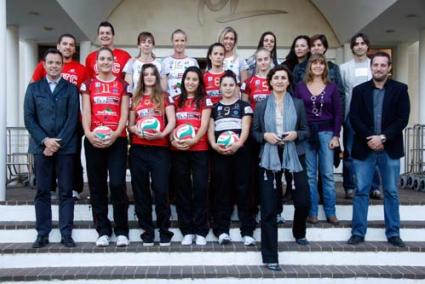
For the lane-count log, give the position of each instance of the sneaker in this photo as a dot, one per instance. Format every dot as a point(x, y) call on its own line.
point(147, 239)
point(302, 242)
point(224, 239)
point(376, 194)
point(397, 242)
point(187, 240)
point(122, 241)
point(102, 241)
point(248, 241)
point(76, 195)
point(280, 219)
point(355, 240)
point(201, 240)
point(273, 266)
point(165, 239)
point(349, 194)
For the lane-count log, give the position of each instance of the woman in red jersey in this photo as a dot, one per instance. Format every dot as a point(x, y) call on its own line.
point(105, 103)
point(149, 154)
point(190, 158)
point(215, 69)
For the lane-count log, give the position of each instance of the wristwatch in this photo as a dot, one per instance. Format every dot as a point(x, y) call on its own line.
point(383, 138)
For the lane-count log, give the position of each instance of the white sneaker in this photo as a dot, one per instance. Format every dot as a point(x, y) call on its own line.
point(102, 241)
point(76, 195)
point(224, 239)
point(248, 241)
point(122, 241)
point(187, 240)
point(200, 240)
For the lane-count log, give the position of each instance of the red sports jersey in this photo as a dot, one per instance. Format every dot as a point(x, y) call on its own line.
point(73, 72)
point(147, 109)
point(120, 59)
point(190, 114)
point(257, 89)
point(105, 100)
point(212, 86)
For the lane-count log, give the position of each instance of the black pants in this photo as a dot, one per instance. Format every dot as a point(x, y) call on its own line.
point(153, 162)
point(99, 163)
point(47, 170)
point(190, 175)
point(301, 197)
point(231, 174)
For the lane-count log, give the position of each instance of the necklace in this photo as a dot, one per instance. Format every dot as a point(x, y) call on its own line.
point(318, 100)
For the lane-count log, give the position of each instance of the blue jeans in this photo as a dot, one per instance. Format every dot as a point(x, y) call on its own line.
point(348, 173)
point(321, 158)
point(390, 171)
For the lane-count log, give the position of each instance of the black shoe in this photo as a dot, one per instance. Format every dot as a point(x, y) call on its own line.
point(40, 242)
point(302, 242)
point(397, 242)
point(147, 239)
point(165, 239)
point(349, 194)
point(273, 266)
point(355, 240)
point(68, 242)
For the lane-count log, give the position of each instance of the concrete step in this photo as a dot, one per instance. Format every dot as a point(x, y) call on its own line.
point(82, 212)
point(317, 253)
point(84, 231)
point(246, 274)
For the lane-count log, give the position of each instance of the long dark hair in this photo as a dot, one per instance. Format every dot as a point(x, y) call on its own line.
point(200, 91)
point(291, 59)
point(210, 50)
point(273, 53)
point(157, 96)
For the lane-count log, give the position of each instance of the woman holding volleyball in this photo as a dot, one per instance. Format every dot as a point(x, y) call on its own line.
point(152, 119)
point(228, 131)
point(105, 112)
point(190, 157)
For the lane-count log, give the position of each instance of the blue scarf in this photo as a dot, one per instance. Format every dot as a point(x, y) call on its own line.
point(269, 158)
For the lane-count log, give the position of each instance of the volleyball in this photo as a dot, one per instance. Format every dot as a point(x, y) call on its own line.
point(102, 132)
point(227, 139)
point(184, 132)
point(148, 125)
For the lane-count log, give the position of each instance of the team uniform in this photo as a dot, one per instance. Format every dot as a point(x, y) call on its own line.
point(190, 172)
point(235, 64)
point(120, 59)
point(75, 73)
point(105, 100)
point(257, 89)
point(134, 68)
point(212, 86)
point(174, 68)
point(231, 172)
point(151, 158)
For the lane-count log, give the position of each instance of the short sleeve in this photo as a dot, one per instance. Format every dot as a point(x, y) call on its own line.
point(243, 65)
point(246, 109)
point(128, 67)
point(208, 103)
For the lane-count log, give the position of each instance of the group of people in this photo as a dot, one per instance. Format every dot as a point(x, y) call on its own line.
point(286, 116)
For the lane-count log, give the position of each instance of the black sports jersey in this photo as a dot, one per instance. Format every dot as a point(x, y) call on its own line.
point(229, 117)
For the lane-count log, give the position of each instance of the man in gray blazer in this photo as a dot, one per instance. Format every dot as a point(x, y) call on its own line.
point(51, 114)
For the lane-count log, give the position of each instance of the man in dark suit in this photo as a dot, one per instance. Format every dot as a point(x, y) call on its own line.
point(378, 114)
point(51, 114)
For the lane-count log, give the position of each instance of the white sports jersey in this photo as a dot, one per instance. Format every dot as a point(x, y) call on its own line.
point(174, 68)
point(134, 67)
point(236, 65)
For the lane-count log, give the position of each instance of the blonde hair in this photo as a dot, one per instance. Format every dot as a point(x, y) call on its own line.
point(262, 49)
point(223, 33)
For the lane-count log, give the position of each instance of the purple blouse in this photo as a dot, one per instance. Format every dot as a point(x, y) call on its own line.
point(326, 106)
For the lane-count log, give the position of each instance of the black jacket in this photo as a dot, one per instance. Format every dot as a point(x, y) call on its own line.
point(395, 116)
point(301, 127)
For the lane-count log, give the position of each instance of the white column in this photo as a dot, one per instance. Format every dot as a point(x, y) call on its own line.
point(27, 61)
point(348, 54)
point(421, 94)
point(85, 49)
point(3, 100)
point(12, 76)
point(401, 63)
point(339, 58)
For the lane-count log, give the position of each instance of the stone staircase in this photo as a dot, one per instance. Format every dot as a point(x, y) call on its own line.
point(328, 259)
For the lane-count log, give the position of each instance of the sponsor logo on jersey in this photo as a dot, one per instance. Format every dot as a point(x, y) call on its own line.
point(248, 109)
point(184, 115)
point(106, 100)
